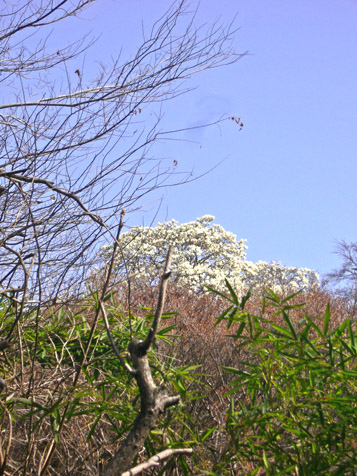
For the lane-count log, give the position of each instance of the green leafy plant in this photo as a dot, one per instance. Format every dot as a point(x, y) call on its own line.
point(103, 403)
point(293, 397)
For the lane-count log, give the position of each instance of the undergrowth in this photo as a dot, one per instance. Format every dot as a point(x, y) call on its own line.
point(267, 388)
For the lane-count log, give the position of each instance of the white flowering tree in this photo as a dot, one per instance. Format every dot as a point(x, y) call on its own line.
point(281, 279)
point(204, 253)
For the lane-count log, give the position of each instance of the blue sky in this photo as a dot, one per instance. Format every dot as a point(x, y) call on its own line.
point(288, 179)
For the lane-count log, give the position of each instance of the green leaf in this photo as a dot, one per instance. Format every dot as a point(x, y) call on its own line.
point(272, 296)
point(234, 370)
point(231, 407)
point(246, 298)
point(30, 403)
point(214, 291)
point(222, 316)
point(266, 462)
point(289, 323)
point(340, 329)
point(206, 434)
point(291, 297)
point(54, 428)
point(310, 344)
point(109, 296)
point(93, 427)
point(313, 325)
point(351, 334)
point(232, 293)
point(240, 330)
point(282, 330)
point(327, 319)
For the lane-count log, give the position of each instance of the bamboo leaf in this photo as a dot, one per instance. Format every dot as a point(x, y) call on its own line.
point(282, 330)
point(240, 330)
point(289, 323)
point(214, 291)
point(232, 293)
point(222, 316)
point(327, 319)
point(246, 298)
point(207, 433)
point(291, 297)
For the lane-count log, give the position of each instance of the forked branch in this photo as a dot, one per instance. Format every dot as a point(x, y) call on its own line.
point(154, 400)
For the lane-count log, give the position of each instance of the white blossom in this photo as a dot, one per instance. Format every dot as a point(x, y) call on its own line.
point(203, 254)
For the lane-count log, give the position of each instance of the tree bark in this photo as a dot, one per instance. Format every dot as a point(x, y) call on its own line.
point(153, 399)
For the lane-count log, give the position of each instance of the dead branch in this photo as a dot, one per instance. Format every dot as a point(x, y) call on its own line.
point(156, 460)
point(154, 400)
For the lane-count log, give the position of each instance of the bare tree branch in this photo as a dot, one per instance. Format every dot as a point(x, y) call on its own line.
point(160, 305)
point(156, 460)
point(79, 153)
point(154, 400)
point(345, 277)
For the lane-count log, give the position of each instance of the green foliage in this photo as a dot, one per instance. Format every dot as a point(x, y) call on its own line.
point(288, 391)
point(105, 397)
point(293, 397)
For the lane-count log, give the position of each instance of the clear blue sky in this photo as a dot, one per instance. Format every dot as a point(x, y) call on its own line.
point(288, 182)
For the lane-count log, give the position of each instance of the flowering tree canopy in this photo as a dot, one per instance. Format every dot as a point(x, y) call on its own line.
point(281, 279)
point(203, 254)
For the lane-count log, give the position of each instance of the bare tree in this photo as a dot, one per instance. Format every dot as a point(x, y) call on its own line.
point(345, 277)
point(75, 153)
point(348, 270)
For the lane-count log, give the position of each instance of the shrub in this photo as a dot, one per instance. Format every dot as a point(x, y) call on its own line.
point(42, 401)
point(293, 400)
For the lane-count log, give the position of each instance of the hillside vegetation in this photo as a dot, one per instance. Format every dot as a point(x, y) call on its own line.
point(158, 350)
point(266, 386)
